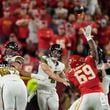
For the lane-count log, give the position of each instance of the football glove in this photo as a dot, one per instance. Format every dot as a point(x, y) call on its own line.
point(87, 32)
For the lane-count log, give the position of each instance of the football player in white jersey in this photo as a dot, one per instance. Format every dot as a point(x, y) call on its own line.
point(104, 67)
point(14, 92)
point(46, 92)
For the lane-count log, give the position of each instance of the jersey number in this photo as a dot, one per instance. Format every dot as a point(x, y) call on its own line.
point(85, 74)
point(52, 80)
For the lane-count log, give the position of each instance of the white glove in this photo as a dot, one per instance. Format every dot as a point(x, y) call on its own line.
point(87, 32)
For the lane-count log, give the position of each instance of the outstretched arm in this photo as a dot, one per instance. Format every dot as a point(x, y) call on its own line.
point(93, 47)
point(51, 74)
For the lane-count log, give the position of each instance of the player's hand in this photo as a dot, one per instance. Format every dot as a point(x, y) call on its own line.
point(87, 32)
point(66, 83)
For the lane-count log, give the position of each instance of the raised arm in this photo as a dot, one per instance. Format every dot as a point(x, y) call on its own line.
point(93, 47)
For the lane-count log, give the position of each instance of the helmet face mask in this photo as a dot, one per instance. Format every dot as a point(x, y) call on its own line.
point(55, 51)
point(56, 54)
point(10, 51)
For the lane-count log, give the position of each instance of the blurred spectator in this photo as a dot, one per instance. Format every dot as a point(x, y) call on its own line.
point(93, 7)
point(71, 33)
point(104, 5)
point(1, 9)
point(45, 16)
point(71, 18)
point(30, 63)
point(14, 7)
point(33, 26)
point(32, 4)
point(103, 32)
point(60, 11)
point(53, 25)
point(22, 23)
point(82, 19)
point(64, 40)
point(69, 30)
point(6, 25)
point(104, 35)
point(45, 36)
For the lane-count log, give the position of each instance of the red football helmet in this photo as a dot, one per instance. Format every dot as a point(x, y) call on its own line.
point(75, 60)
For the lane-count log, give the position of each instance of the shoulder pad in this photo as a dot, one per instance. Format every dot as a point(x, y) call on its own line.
point(43, 59)
point(18, 59)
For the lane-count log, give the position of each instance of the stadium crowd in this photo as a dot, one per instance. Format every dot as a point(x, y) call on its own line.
point(37, 24)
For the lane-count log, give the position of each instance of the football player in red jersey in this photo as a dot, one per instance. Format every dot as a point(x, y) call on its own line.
point(84, 75)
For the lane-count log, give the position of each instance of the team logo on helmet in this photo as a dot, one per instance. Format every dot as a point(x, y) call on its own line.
point(13, 46)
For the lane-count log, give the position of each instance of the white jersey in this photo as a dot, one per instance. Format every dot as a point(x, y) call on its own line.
point(105, 79)
point(106, 83)
point(48, 83)
point(12, 84)
point(8, 73)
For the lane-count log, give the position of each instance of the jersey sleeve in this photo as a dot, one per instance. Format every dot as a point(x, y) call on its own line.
point(43, 59)
point(62, 67)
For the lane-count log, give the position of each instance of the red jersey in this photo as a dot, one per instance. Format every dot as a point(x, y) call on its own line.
point(85, 77)
point(45, 37)
point(64, 41)
point(5, 26)
point(23, 30)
